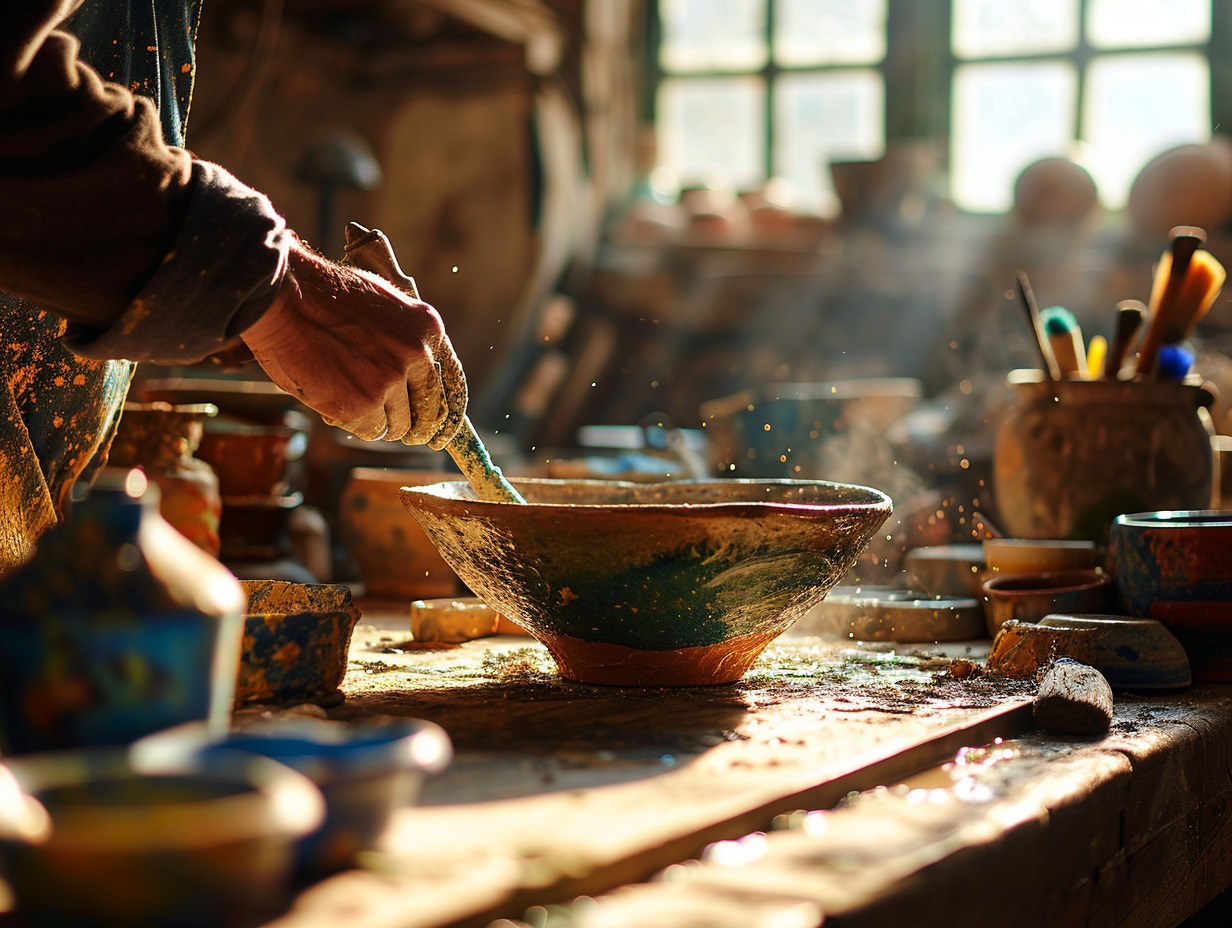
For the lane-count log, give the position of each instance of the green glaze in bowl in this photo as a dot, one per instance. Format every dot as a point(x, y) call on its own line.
point(662, 584)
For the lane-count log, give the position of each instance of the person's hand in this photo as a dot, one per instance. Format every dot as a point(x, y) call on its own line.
point(361, 353)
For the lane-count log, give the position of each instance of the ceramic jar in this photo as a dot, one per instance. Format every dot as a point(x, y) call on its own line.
point(395, 557)
point(1176, 566)
point(296, 640)
point(162, 440)
point(116, 627)
point(1072, 455)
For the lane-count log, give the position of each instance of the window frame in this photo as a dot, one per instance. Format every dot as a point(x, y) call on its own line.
point(919, 67)
point(769, 73)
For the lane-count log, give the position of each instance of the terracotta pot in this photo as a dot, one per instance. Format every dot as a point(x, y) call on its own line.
point(1071, 456)
point(1030, 597)
point(162, 440)
point(668, 584)
point(251, 459)
point(396, 559)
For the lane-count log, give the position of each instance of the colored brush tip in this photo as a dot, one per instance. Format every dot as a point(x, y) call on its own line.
point(1065, 340)
point(1097, 353)
point(1174, 362)
point(1058, 320)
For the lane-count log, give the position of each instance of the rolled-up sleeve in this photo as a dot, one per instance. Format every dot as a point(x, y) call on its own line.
point(221, 273)
point(149, 253)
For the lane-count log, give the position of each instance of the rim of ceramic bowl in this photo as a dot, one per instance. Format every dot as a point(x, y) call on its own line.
point(1051, 581)
point(264, 798)
point(1176, 518)
point(863, 498)
point(321, 750)
point(1063, 544)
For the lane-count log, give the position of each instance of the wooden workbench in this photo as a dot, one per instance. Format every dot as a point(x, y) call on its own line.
point(823, 785)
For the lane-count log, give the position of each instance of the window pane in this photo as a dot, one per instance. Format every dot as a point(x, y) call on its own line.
point(819, 118)
point(713, 35)
point(813, 32)
point(1138, 106)
point(1005, 117)
point(995, 28)
point(1130, 23)
point(712, 128)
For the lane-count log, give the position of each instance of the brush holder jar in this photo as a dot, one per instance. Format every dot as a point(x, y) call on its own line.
point(1072, 455)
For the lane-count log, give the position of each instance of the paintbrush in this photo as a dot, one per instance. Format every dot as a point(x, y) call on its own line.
point(1174, 362)
point(1097, 351)
point(1065, 341)
point(1186, 283)
point(1130, 314)
point(1027, 301)
point(370, 250)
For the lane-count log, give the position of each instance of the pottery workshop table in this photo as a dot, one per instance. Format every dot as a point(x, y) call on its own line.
point(862, 786)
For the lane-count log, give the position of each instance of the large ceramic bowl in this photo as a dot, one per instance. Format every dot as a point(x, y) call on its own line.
point(1177, 567)
point(652, 584)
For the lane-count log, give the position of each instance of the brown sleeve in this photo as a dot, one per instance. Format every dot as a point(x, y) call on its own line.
point(149, 253)
point(92, 197)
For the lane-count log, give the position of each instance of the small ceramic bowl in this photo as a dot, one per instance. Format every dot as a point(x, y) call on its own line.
point(870, 613)
point(458, 619)
point(366, 770)
point(1037, 556)
point(198, 841)
point(1176, 566)
point(665, 584)
point(1132, 654)
point(1030, 597)
point(296, 640)
point(946, 570)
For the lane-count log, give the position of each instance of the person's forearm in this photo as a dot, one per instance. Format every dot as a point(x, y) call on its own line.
point(91, 198)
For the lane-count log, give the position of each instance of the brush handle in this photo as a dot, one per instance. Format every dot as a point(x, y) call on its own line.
point(1071, 357)
point(1027, 301)
point(1097, 351)
point(1167, 291)
point(1176, 320)
point(1130, 314)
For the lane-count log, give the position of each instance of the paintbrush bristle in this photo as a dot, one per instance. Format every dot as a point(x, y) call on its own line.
point(1058, 320)
point(1065, 339)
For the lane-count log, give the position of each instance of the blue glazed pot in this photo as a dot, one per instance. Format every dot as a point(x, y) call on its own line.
point(366, 770)
point(1177, 567)
point(118, 626)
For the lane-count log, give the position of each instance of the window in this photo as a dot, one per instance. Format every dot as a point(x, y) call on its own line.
point(1108, 83)
point(747, 90)
point(754, 89)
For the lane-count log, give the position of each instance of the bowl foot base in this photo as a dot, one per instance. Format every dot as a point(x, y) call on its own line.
point(608, 664)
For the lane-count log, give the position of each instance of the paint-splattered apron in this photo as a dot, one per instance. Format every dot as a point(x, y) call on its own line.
point(57, 411)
